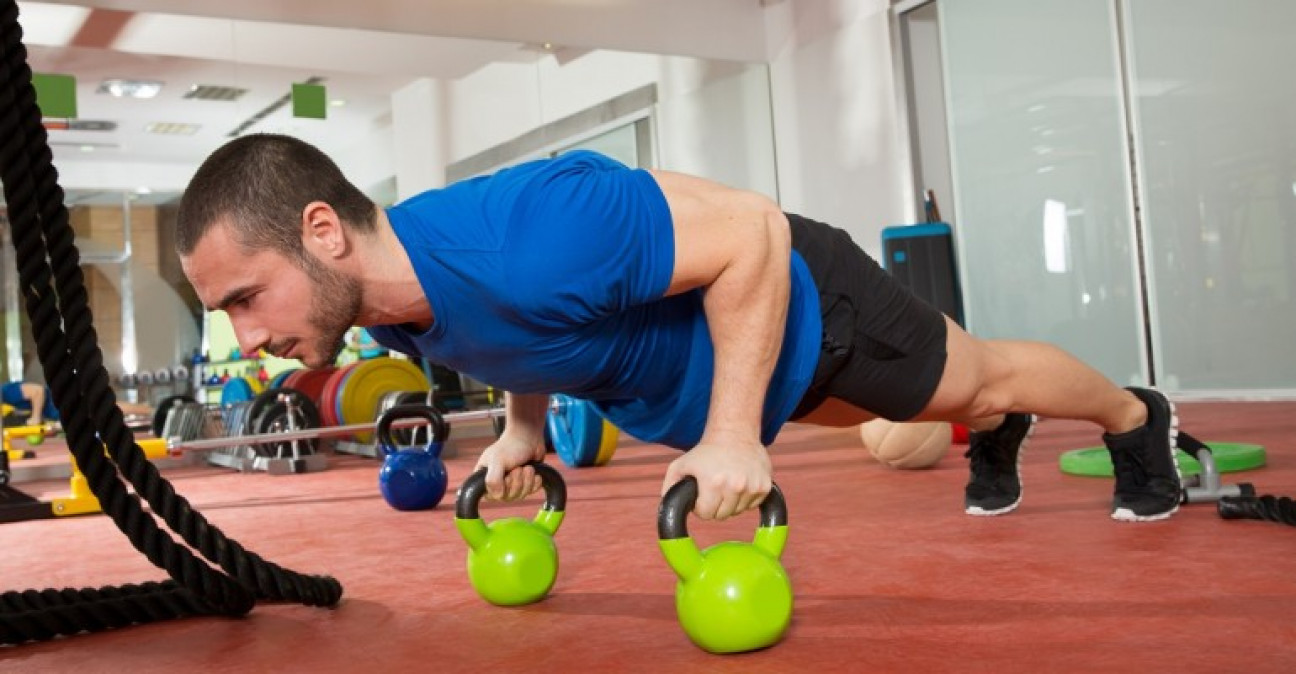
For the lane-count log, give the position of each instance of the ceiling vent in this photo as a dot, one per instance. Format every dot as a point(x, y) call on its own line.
point(208, 92)
point(172, 128)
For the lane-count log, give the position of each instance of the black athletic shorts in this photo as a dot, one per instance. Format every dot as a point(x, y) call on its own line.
point(883, 347)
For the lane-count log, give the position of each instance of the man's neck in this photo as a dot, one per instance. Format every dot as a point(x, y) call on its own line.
point(392, 292)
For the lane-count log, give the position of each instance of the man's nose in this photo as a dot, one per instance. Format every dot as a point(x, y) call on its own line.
point(251, 338)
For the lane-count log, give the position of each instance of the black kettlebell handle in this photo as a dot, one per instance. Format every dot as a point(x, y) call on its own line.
point(440, 429)
point(682, 496)
point(474, 488)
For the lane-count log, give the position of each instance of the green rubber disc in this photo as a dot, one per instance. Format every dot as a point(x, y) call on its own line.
point(1230, 457)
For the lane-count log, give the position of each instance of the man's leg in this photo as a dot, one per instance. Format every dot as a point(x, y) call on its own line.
point(985, 379)
point(35, 394)
point(995, 386)
point(895, 356)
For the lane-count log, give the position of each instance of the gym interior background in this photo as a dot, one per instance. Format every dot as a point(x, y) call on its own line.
point(1119, 177)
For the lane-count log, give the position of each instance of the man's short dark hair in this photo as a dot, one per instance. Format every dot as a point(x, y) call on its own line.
point(260, 184)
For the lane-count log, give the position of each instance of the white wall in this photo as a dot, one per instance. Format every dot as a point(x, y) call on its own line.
point(712, 117)
point(818, 129)
point(842, 157)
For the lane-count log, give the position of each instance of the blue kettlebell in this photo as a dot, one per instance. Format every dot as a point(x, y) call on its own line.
point(415, 478)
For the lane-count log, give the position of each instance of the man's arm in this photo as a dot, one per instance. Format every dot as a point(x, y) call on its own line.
point(524, 416)
point(522, 441)
point(736, 245)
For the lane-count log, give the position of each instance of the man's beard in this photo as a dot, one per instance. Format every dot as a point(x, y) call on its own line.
point(335, 306)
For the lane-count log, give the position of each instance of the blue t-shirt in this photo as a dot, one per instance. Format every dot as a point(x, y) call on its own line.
point(549, 277)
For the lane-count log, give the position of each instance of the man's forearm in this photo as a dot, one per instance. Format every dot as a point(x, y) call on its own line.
point(525, 416)
point(746, 309)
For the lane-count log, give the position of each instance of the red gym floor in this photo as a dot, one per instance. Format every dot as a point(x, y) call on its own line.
point(889, 575)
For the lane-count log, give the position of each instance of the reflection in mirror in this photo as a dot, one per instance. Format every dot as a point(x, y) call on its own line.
point(144, 311)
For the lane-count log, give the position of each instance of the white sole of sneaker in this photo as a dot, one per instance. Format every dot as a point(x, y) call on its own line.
point(978, 511)
point(1127, 515)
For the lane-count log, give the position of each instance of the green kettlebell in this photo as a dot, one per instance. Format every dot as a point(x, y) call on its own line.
point(733, 596)
point(512, 561)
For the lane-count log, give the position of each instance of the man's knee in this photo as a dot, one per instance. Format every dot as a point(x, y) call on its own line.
point(974, 384)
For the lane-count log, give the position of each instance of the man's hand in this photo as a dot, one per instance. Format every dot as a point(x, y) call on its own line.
point(508, 478)
point(731, 479)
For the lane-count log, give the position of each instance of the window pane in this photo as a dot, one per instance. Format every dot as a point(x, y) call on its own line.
point(1215, 126)
point(1041, 175)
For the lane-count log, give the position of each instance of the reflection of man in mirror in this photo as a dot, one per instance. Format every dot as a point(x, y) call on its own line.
point(30, 398)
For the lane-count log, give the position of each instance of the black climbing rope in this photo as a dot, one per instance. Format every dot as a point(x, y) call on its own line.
point(54, 294)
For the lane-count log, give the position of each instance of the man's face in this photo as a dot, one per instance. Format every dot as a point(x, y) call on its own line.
point(293, 310)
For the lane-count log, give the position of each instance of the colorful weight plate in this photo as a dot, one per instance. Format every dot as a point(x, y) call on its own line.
point(608, 445)
point(310, 382)
point(578, 432)
point(366, 384)
point(329, 395)
point(337, 398)
point(238, 389)
point(1229, 457)
point(278, 380)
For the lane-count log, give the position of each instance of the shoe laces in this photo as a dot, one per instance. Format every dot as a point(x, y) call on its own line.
point(986, 453)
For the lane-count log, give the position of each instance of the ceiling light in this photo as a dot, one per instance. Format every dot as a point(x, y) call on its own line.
point(172, 128)
point(337, 102)
point(130, 88)
point(87, 148)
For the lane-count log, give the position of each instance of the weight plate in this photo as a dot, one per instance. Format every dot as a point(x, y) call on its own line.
point(497, 423)
point(575, 430)
point(337, 397)
point(277, 381)
point(1229, 457)
point(366, 384)
point(163, 409)
point(264, 400)
point(274, 418)
point(310, 382)
point(293, 376)
point(608, 444)
point(327, 400)
point(237, 390)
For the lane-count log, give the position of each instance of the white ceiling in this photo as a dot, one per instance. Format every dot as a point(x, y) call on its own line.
point(364, 50)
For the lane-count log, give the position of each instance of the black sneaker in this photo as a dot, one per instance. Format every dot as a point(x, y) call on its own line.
point(995, 487)
point(1149, 485)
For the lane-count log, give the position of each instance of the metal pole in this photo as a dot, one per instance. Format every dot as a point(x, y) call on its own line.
point(179, 445)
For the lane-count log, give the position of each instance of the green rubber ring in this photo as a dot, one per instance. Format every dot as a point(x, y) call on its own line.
point(1230, 457)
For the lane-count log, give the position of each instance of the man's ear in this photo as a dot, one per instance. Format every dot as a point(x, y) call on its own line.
point(322, 231)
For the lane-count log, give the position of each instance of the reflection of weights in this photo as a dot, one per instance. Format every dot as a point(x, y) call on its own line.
point(16, 506)
point(174, 379)
point(34, 436)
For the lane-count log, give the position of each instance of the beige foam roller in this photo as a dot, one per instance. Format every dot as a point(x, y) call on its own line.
point(915, 444)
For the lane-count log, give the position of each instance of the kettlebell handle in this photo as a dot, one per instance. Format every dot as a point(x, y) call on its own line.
point(474, 488)
point(440, 429)
point(682, 496)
